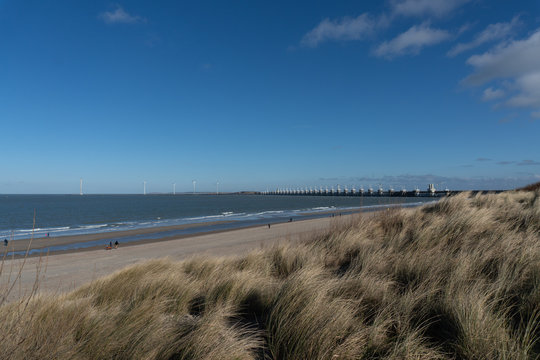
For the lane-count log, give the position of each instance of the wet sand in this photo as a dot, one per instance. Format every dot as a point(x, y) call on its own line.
point(155, 234)
point(45, 242)
point(66, 271)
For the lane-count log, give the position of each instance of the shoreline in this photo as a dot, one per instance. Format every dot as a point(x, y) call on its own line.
point(40, 247)
point(46, 242)
point(55, 218)
point(52, 246)
point(64, 271)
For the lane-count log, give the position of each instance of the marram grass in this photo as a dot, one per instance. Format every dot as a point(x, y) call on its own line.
point(459, 279)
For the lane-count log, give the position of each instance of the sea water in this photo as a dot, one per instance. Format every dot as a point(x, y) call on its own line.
point(62, 215)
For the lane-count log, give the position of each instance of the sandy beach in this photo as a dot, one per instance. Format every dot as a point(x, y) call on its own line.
point(68, 270)
point(39, 246)
point(46, 242)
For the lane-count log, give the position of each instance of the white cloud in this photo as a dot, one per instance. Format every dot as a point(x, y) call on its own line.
point(516, 58)
point(437, 8)
point(491, 33)
point(120, 16)
point(344, 29)
point(517, 63)
point(411, 41)
point(529, 91)
point(492, 94)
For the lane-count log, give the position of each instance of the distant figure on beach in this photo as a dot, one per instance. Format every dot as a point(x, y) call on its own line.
point(116, 244)
point(290, 219)
point(47, 234)
point(269, 226)
point(5, 242)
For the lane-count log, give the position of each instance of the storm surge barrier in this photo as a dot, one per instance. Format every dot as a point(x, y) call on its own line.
point(380, 191)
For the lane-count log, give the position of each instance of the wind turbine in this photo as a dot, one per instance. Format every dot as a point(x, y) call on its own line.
point(81, 187)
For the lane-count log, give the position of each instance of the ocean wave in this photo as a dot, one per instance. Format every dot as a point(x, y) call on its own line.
point(261, 215)
point(269, 212)
point(50, 229)
point(209, 217)
point(97, 226)
point(322, 208)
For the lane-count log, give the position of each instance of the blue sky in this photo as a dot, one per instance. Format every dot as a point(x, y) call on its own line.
point(261, 95)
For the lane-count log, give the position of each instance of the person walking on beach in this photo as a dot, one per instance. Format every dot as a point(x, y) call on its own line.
point(269, 226)
point(5, 242)
point(116, 244)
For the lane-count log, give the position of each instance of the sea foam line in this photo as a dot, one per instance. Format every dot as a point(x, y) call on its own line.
point(226, 215)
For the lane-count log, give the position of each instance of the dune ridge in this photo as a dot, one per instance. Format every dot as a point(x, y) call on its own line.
point(458, 279)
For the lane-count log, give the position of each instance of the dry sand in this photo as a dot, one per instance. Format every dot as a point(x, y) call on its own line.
point(66, 271)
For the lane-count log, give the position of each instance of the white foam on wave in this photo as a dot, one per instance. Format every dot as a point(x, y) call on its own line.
point(269, 212)
point(51, 229)
point(97, 226)
point(209, 217)
point(322, 208)
point(226, 215)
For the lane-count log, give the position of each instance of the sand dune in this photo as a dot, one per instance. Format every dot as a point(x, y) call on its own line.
point(66, 271)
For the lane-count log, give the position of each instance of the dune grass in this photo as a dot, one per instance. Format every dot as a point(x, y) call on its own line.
point(458, 279)
point(531, 187)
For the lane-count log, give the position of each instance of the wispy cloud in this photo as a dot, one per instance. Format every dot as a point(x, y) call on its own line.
point(483, 159)
point(492, 94)
point(435, 8)
point(464, 28)
point(120, 16)
point(344, 29)
point(365, 25)
point(508, 119)
point(152, 40)
point(529, 163)
point(411, 41)
point(509, 72)
point(493, 32)
point(207, 66)
point(505, 162)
